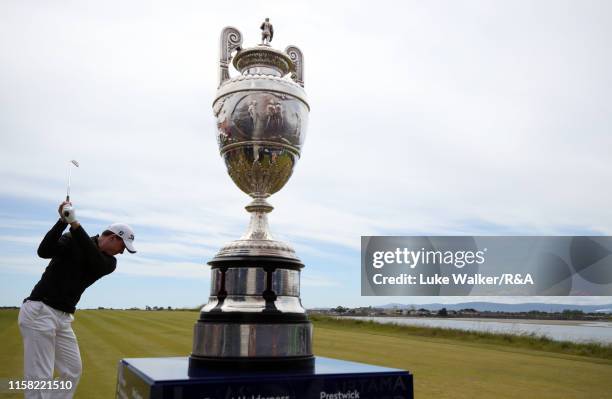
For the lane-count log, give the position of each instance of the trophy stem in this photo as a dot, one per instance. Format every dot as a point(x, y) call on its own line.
point(258, 240)
point(258, 226)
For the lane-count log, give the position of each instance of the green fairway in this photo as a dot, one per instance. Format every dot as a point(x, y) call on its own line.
point(442, 367)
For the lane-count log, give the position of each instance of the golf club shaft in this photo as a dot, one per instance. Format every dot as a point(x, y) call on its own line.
point(69, 176)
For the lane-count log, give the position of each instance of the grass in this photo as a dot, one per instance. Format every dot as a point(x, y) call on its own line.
point(445, 364)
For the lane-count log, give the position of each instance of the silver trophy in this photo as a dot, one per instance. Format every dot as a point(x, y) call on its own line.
point(254, 317)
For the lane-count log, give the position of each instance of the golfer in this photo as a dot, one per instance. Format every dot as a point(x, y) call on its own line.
point(45, 318)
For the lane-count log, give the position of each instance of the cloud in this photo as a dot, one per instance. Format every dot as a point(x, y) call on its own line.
point(318, 281)
point(426, 119)
point(12, 223)
point(29, 240)
point(152, 267)
point(28, 264)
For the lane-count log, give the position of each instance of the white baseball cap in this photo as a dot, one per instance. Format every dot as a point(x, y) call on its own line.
point(126, 233)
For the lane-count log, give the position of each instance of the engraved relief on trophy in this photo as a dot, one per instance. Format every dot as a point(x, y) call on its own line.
point(262, 116)
point(274, 117)
point(223, 128)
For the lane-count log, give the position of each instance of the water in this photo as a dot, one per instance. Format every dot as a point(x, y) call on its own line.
point(575, 331)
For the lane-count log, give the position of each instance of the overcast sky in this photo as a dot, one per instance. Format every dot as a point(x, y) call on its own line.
point(428, 118)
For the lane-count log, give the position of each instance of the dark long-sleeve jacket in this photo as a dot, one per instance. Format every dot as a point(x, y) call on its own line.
point(76, 263)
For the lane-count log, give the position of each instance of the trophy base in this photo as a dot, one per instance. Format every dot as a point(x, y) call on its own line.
point(166, 378)
point(201, 366)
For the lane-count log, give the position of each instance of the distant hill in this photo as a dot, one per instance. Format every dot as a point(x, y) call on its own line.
point(505, 307)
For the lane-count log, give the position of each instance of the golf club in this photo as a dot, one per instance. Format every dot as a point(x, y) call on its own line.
point(67, 208)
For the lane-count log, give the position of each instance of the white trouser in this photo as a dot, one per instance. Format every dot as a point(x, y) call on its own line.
point(48, 343)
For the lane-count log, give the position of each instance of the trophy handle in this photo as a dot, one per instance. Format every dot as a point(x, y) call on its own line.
point(231, 39)
point(298, 60)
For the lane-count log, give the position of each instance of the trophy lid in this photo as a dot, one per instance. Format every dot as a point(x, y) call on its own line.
point(263, 56)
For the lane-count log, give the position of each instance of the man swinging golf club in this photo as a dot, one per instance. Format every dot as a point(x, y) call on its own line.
point(45, 318)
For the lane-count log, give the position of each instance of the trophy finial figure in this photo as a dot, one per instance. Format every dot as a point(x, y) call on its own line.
point(267, 32)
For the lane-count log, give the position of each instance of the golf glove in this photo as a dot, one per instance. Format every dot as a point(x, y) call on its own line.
point(68, 215)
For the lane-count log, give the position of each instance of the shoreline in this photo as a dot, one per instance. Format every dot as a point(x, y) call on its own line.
point(532, 341)
point(589, 323)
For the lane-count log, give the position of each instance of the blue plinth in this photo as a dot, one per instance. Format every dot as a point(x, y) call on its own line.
point(166, 377)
